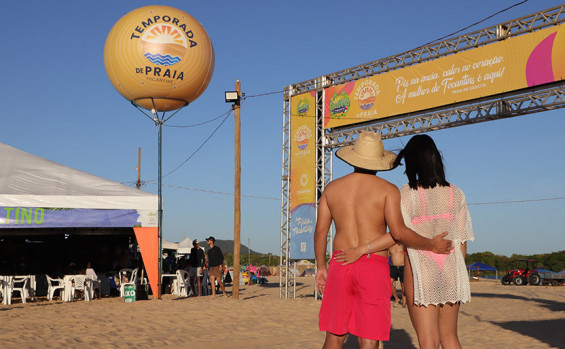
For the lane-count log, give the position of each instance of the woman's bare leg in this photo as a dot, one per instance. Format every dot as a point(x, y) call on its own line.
point(448, 326)
point(424, 319)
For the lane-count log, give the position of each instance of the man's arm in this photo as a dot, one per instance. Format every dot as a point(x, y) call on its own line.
point(323, 222)
point(401, 233)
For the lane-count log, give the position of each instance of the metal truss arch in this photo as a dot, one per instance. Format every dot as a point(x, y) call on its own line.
point(546, 97)
point(511, 104)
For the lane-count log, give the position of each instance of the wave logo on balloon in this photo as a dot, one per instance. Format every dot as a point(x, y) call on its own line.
point(163, 44)
point(546, 62)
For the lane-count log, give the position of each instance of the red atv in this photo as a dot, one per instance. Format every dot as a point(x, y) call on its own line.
point(522, 276)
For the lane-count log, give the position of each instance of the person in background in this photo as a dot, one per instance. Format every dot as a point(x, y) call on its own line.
point(91, 274)
point(196, 261)
point(183, 263)
point(396, 253)
point(216, 263)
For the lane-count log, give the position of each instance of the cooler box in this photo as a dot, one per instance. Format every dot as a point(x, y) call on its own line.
point(129, 291)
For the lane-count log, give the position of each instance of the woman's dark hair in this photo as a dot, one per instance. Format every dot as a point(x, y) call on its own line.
point(424, 165)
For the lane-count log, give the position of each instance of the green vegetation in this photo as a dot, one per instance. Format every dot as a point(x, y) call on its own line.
point(256, 259)
point(551, 261)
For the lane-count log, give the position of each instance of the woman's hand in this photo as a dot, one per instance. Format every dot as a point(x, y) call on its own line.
point(349, 255)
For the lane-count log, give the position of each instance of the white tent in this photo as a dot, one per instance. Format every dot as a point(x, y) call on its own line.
point(184, 246)
point(41, 197)
point(29, 184)
point(167, 245)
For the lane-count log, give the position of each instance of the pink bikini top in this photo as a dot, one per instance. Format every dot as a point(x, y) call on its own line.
point(439, 259)
point(425, 218)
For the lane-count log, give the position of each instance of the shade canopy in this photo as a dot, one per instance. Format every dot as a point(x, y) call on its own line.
point(184, 246)
point(480, 266)
point(42, 197)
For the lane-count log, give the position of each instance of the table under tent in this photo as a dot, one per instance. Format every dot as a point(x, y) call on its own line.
point(53, 216)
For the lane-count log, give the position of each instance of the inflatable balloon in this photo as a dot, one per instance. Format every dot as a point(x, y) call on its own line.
point(159, 57)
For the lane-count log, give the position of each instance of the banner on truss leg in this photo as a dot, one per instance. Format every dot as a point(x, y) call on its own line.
point(302, 175)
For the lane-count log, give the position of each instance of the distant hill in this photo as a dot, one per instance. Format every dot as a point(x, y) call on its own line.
point(227, 247)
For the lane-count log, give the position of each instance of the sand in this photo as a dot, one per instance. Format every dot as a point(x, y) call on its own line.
point(497, 317)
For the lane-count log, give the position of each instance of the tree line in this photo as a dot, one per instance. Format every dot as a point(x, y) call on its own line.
point(554, 261)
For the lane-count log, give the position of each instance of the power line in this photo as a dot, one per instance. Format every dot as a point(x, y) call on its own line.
point(201, 123)
point(261, 94)
point(201, 145)
point(214, 191)
point(273, 198)
point(474, 24)
point(515, 201)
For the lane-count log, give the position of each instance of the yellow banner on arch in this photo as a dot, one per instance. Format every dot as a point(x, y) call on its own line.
point(302, 150)
point(511, 64)
point(302, 175)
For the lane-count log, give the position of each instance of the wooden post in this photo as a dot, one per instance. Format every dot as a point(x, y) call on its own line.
point(237, 195)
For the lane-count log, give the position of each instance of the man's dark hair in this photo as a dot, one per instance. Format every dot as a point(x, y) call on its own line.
point(424, 164)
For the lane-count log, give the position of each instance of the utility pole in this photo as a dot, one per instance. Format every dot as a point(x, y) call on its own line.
point(237, 194)
point(138, 184)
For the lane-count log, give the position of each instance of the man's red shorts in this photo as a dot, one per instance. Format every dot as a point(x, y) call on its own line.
point(356, 299)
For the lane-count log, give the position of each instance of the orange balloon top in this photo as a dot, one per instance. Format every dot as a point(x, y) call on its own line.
point(159, 57)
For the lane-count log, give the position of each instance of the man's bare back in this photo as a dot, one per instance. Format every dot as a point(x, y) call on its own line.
point(356, 203)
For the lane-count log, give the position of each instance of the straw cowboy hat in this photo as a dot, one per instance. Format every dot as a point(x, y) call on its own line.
point(368, 152)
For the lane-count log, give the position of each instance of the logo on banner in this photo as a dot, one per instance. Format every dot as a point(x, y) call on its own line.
point(303, 107)
point(302, 137)
point(366, 94)
point(339, 105)
point(303, 225)
point(304, 180)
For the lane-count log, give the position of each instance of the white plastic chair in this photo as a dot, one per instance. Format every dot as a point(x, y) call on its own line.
point(125, 274)
point(7, 284)
point(68, 293)
point(78, 283)
point(19, 284)
point(5, 287)
point(53, 285)
point(93, 283)
point(132, 281)
point(181, 283)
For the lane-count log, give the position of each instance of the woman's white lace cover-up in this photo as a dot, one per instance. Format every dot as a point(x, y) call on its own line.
point(438, 279)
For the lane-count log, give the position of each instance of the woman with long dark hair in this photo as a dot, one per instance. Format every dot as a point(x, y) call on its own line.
point(436, 285)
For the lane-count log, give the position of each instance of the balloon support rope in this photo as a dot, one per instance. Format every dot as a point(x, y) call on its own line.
point(154, 116)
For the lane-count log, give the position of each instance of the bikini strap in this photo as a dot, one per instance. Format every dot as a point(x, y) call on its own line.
point(450, 198)
point(423, 200)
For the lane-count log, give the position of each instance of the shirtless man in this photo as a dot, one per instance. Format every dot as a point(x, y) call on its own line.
point(396, 253)
point(356, 294)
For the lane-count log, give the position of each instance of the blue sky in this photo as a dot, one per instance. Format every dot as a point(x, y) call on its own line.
point(58, 103)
